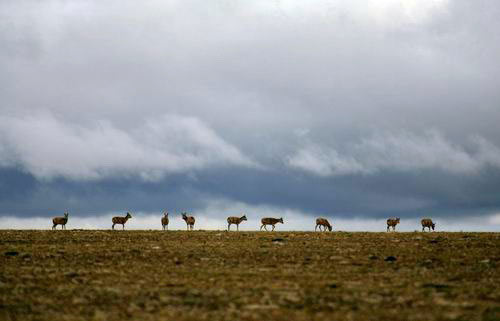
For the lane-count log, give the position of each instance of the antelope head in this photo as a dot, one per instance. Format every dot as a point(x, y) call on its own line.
point(184, 216)
point(244, 218)
point(281, 220)
point(66, 214)
point(165, 214)
point(128, 215)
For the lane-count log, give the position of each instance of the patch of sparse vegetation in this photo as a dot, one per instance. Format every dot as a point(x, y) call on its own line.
point(179, 275)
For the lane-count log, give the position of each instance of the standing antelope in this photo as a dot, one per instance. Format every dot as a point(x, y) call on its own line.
point(427, 222)
point(392, 222)
point(235, 220)
point(189, 221)
point(270, 221)
point(323, 222)
point(60, 221)
point(164, 221)
point(120, 220)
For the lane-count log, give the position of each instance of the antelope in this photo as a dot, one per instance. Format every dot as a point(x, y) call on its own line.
point(189, 221)
point(235, 220)
point(427, 222)
point(120, 220)
point(392, 222)
point(164, 220)
point(270, 221)
point(60, 221)
point(323, 222)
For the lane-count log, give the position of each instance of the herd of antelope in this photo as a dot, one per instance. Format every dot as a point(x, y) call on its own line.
point(321, 223)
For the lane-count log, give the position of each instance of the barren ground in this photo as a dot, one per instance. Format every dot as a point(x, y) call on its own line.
point(155, 275)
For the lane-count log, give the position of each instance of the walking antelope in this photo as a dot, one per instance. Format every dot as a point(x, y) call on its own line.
point(120, 220)
point(235, 220)
point(164, 221)
point(392, 222)
point(427, 222)
point(323, 222)
point(189, 221)
point(60, 221)
point(270, 221)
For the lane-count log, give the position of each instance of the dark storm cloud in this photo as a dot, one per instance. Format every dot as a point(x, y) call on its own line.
point(346, 108)
point(424, 193)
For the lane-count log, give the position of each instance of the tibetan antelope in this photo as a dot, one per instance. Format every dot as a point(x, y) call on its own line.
point(60, 221)
point(392, 222)
point(164, 221)
point(235, 220)
point(427, 222)
point(270, 221)
point(120, 220)
point(189, 221)
point(323, 222)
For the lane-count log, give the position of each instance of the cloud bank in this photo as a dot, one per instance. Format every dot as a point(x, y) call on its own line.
point(350, 109)
point(47, 148)
point(403, 151)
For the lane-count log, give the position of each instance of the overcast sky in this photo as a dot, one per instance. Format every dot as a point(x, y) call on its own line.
point(353, 110)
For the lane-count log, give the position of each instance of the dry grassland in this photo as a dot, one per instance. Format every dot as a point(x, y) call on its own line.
point(174, 275)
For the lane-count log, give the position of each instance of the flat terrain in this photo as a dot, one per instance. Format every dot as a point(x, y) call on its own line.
point(156, 275)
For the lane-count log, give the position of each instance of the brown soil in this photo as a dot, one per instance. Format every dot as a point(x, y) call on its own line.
point(174, 275)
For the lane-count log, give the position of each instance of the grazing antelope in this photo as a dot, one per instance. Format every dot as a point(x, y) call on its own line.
point(120, 220)
point(270, 221)
point(323, 222)
point(60, 221)
point(189, 221)
point(427, 222)
point(392, 222)
point(164, 221)
point(235, 220)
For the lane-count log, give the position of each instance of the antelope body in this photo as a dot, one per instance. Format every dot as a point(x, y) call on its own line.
point(235, 220)
point(427, 222)
point(60, 221)
point(120, 220)
point(392, 222)
point(189, 221)
point(164, 221)
point(323, 222)
point(270, 221)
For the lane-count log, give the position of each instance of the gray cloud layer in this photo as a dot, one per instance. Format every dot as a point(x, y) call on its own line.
point(400, 151)
point(333, 107)
point(48, 148)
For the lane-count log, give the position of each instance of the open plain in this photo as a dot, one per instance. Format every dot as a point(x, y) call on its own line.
point(218, 275)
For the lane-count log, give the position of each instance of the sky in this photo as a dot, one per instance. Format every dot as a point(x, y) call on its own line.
point(352, 110)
